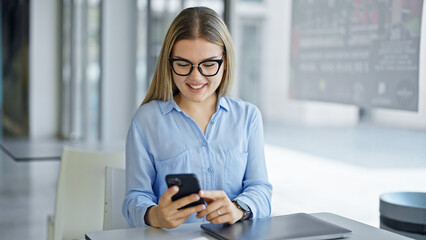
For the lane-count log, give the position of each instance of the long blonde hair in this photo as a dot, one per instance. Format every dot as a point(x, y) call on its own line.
point(192, 23)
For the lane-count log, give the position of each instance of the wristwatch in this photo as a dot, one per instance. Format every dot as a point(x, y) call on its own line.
point(241, 205)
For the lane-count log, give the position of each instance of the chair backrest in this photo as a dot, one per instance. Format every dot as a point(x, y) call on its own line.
point(80, 192)
point(115, 189)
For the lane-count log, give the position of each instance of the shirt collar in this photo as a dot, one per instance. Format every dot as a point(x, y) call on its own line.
point(223, 103)
point(168, 106)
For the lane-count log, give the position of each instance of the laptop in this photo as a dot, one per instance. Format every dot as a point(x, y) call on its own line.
point(294, 226)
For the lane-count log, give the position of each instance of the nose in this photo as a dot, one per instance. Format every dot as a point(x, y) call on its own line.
point(196, 74)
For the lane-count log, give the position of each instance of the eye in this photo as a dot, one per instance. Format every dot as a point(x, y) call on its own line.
point(209, 64)
point(183, 64)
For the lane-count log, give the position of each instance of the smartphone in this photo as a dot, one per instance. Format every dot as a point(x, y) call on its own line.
point(188, 184)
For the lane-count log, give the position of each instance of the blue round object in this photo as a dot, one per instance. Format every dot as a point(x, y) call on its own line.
point(405, 211)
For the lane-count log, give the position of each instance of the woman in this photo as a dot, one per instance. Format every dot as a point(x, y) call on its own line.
point(186, 124)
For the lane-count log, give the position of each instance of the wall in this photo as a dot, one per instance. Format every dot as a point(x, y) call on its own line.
point(277, 106)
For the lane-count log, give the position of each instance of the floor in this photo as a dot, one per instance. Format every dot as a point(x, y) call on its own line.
point(364, 145)
point(306, 183)
point(343, 171)
point(27, 197)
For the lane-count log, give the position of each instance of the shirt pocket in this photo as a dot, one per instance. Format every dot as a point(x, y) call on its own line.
point(235, 168)
point(174, 165)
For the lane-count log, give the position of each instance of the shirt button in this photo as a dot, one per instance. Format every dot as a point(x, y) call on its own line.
point(212, 122)
point(210, 170)
point(204, 143)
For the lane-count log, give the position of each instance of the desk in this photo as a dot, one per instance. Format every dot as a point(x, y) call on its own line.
point(28, 150)
point(360, 231)
point(51, 149)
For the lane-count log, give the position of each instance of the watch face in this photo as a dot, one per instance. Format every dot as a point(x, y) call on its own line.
point(243, 206)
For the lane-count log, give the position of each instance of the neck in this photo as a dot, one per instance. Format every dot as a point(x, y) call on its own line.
point(188, 106)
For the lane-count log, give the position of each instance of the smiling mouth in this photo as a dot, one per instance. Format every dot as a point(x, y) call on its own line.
point(196, 86)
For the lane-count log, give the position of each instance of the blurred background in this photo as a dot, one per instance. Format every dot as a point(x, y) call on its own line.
point(340, 84)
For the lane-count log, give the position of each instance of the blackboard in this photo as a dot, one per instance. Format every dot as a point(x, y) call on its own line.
point(363, 52)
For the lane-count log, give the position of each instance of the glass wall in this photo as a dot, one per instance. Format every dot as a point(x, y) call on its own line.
point(15, 67)
point(249, 38)
point(250, 61)
point(81, 69)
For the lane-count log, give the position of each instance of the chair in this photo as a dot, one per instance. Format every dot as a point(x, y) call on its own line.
point(80, 193)
point(115, 189)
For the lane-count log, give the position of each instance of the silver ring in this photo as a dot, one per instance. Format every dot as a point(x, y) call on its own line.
point(218, 212)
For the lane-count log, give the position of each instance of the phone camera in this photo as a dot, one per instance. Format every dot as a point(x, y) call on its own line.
point(175, 181)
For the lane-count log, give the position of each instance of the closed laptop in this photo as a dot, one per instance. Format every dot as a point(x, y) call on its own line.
point(300, 226)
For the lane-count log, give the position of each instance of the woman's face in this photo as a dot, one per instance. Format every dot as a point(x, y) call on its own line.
point(195, 87)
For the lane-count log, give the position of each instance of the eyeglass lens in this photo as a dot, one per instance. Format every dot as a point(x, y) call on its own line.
point(207, 68)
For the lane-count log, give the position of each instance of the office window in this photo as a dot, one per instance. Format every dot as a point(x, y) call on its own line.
point(250, 62)
point(81, 69)
point(141, 54)
point(249, 30)
point(14, 71)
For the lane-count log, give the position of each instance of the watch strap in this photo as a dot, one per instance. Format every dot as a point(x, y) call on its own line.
point(245, 208)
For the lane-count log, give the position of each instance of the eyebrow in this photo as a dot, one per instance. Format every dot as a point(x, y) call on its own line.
point(210, 58)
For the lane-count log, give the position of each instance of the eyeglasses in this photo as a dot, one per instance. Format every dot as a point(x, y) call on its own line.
point(207, 68)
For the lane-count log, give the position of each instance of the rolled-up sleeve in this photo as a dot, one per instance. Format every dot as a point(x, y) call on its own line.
point(257, 190)
point(140, 174)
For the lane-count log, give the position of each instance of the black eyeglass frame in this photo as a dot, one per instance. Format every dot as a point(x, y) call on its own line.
point(219, 61)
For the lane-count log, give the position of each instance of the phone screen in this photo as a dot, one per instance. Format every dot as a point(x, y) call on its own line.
point(188, 184)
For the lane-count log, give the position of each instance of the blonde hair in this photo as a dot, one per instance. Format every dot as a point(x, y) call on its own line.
point(192, 23)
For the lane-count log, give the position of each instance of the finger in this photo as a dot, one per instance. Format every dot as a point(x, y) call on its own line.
point(211, 194)
point(173, 218)
point(222, 219)
point(185, 213)
point(211, 208)
point(176, 222)
point(166, 199)
point(181, 220)
point(181, 202)
point(217, 213)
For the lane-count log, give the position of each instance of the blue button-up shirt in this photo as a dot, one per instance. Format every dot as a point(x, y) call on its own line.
point(163, 139)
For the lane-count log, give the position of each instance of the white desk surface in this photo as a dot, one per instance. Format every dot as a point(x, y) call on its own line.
point(193, 231)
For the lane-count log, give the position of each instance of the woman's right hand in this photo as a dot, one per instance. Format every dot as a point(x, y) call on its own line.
point(166, 213)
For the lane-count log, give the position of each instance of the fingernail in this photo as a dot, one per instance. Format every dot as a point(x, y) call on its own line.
point(175, 188)
point(201, 192)
point(195, 197)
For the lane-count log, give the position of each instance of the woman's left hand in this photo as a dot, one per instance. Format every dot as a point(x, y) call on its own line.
point(220, 209)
